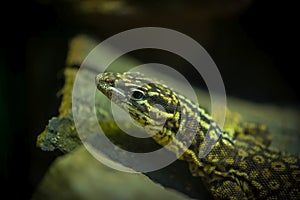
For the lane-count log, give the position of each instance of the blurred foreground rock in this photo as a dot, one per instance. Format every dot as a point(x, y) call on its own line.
point(79, 176)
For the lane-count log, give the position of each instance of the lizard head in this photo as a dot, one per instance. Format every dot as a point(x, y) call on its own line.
point(148, 102)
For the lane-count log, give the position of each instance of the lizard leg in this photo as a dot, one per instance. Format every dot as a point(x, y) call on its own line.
point(227, 190)
point(253, 132)
point(236, 129)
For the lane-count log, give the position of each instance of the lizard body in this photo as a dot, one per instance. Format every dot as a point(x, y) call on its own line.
point(236, 164)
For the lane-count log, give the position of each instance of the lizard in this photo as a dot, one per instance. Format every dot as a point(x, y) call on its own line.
point(237, 164)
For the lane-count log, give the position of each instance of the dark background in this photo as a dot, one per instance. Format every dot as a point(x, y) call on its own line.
point(256, 52)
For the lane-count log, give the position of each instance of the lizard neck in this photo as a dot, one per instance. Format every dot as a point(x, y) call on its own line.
point(210, 144)
point(192, 128)
point(196, 120)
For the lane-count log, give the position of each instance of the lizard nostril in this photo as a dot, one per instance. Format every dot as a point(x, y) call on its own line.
point(109, 81)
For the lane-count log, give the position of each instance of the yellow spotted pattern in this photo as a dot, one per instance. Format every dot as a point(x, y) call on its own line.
point(234, 163)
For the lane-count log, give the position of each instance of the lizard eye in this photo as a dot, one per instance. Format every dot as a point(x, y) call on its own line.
point(137, 95)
